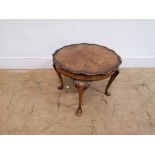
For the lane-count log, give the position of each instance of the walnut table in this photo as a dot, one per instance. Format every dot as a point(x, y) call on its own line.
point(85, 63)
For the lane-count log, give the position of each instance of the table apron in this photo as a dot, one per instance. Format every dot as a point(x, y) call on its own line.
point(84, 77)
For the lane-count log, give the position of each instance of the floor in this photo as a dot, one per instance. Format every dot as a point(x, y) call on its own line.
point(31, 104)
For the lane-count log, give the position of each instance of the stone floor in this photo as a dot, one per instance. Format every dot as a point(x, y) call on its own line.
point(31, 104)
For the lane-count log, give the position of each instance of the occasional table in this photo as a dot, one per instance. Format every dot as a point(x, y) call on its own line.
point(85, 63)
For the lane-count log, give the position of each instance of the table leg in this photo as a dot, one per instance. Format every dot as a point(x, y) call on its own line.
point(81, 87)
point(60, 78)
point(110, 81)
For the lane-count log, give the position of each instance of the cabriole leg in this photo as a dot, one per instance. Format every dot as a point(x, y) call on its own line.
point(110, 81)
point(81, 87)
point(60, 78)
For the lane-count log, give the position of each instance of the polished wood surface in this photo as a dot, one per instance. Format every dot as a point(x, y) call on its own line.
point(87, 59)
point(85, 63)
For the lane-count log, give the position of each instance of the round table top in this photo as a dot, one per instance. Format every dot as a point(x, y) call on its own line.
point(86, 59)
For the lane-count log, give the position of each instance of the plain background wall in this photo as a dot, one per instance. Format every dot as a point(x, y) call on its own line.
point(30, 43)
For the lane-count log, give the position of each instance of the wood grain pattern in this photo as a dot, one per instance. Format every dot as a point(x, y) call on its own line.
point(87, 59)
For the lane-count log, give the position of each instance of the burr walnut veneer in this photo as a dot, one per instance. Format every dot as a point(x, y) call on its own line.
point(85, 63)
